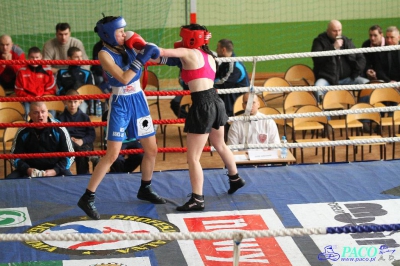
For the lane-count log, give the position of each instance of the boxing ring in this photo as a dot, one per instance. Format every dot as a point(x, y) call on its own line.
point(317, 214)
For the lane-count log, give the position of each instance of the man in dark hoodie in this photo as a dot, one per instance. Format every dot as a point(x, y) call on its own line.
point(339, 69)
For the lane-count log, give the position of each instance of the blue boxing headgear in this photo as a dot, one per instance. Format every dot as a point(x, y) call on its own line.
point(106, 28)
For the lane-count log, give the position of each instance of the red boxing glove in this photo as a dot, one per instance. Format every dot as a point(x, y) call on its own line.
point(178, 44)
point(134, 40)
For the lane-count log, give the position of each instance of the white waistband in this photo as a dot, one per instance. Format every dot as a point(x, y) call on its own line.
point(128, 89)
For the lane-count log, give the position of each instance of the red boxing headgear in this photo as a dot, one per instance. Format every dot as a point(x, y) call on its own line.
point(194, 38)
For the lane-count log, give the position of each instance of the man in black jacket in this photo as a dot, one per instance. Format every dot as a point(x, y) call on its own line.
point(340, 69)
point(388, 67)
point(229, 75)
point(376, 39)
point(41, 140)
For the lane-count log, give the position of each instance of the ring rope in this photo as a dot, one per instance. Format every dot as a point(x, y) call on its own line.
point(315, 144)
point(355, 87)
point(221, 59)
point(308, 54)
point(200, 235)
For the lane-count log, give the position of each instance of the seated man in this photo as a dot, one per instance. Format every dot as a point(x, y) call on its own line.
point(82, 137)
point(9, 51)
point(336, 70)
point(34, 80)
point(56, 48)
point(125, 163)
point(41, 140)
point(263, 131)
point(376, 39)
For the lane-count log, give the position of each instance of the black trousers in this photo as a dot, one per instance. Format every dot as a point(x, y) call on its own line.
point(82, 163)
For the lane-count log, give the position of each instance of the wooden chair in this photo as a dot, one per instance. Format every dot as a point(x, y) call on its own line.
point(381, 97)
point(8, 138)
point(274, 82)
point(238, 105)
point(186, 101)
point(293, 101)
point(316, 123)
point(300, 75)
point(152, 80)
point(374, 117)
point(339, 100)
point(14, 105)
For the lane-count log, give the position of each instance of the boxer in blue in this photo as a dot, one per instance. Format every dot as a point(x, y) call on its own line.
point(122, 57)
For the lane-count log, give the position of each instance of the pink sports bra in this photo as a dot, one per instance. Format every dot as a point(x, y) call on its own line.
point(205, 72)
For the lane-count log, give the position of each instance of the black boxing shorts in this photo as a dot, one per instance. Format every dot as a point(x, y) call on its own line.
point(207, 111)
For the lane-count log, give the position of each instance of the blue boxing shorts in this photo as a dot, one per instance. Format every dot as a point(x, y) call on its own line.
point(129, 117)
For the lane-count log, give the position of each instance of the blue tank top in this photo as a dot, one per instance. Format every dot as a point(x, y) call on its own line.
point(118, 61)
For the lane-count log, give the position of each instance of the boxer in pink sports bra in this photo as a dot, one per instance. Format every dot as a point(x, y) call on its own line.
point(206, 71)
point(207, 115)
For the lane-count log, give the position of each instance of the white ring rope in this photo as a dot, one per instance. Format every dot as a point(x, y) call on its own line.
point(163, 236)
point(316, 144)
point(314, 114)
point(312, 88)
point(308, 54)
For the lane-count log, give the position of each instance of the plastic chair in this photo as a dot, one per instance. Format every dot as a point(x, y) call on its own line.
point(395, 122)
point(274, 82)
point(14, 105)
point(2, 91)
point(300, 75)
point(374, 117)
point(272, 111)
point(57, 106)
point(379, 98)
point(8, 138)
point(339, 100)
point(293, 101)
point(152, 80)
point(89, 89)
point(315, 123)
point(238, 105)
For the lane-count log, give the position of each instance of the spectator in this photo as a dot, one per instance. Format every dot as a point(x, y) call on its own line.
point(340, 69)
point(41, 140)
point(56, 48)
point(376, 39)
point(260, 131)
point(34, 80)
point(82, 137)
point(8, 73)
point(388, 67)
point(229, 75)
point(74, 76)
point(125, 163)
